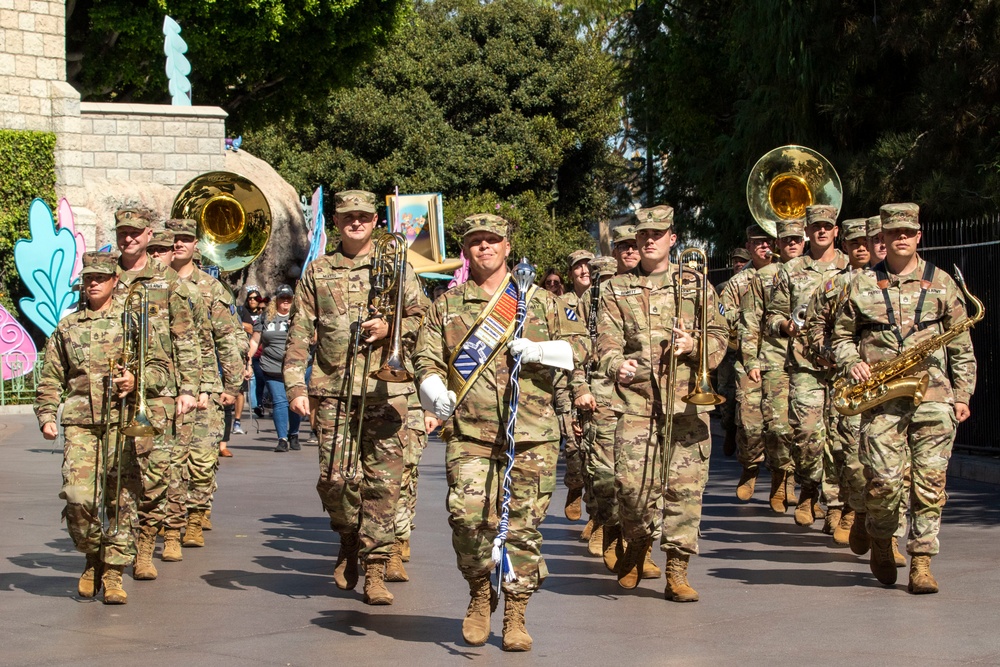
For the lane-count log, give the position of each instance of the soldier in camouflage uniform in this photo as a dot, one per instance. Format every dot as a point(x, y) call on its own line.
point(809, 407)
point(475, 437)
point(637, 326)
point(333, 295)
point(223, 346)
point(726, 372)
point(78, 358)
point(898, 304)
point(763, 353)
point(876, 244)
point(624, 249)
point(162, 457)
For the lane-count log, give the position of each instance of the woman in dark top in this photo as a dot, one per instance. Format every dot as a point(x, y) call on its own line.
point(271, 333)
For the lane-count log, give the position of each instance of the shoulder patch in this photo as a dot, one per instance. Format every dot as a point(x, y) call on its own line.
point(722, 308)
point(571, 315)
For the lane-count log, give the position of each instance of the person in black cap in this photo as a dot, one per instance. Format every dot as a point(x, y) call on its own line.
point(271, 334)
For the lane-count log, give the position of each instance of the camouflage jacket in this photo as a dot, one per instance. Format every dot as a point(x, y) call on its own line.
point(221, 336)
point(570, 303)
point(172, 332)
point(794, 285)
point(861, 331)
point(637, 323)
point(758, 349)
point(328, 300)
point(78, 359)
point(731, 294)
point(600, 387)
point(482, 416)
point(820, 317)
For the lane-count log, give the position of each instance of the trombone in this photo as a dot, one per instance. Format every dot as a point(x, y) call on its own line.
point(703, 393)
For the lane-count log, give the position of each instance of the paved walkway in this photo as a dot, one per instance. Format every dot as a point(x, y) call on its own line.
point(261, 593)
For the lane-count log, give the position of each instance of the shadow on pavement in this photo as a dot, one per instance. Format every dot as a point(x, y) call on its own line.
point(404, 627)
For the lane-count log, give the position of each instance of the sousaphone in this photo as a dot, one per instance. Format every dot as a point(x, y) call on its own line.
point(788, 179)
point(234, 218)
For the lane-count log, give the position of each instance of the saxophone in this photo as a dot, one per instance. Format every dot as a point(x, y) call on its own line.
point(890, 378)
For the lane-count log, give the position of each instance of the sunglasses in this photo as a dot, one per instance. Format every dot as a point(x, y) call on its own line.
point(552, 283)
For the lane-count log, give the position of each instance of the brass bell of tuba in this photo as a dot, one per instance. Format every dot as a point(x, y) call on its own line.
point(234, 218)
point(786, 180)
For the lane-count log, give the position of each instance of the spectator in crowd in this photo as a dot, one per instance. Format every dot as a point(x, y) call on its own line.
point(250, 312)
point(270, 334)
point(553, 283)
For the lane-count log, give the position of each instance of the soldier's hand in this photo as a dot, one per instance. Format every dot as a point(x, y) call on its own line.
point(377, 329)
point(227, 399)
point(626, 372)
point(585, 402)
point(50, 431)
point(431, 423)
point(962, 412)
point(754, 375)
point(577, 431)
point(126, 383)
point(203, 399)
point(683, 342)
point(300, 405)
point(185, 404)
point(861, 371)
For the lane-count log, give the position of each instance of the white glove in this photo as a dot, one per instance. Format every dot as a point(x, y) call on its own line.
point(435, 397)
point(556, 353)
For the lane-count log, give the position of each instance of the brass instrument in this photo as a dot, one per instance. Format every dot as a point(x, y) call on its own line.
point(703, 393)
point(786, 180)
point(889, 379)
point(799, 316)
point(234, 218)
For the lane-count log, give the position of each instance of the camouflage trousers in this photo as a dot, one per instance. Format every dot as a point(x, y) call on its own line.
point(164, 469)
point(573, 452)
point(475, 491)
point(897, 438)
point(778, 437)
point(406, 509)
point(366, 504)
point(728, 385)
point(809, 411)
point(749, 397)
point(81, 475)
point(644, 506)
point(206, 430)
point(599, 443)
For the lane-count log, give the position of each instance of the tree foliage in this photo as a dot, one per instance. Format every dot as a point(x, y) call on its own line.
point(488, 103)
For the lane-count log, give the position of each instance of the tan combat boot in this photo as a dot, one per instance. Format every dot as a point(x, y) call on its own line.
point(345, 574)
point(650, 570)
point(777, 496)
point(678, 589)
point(832, 520)
point(790, 497)
point(394, 570)
point(804, 515)
point(882, 564)
point(922, 581)
point(897, 557)
point(842, 533)
point(144, 568)
point(405, 552)
point(375, 591)
point(574, 504)
point(515, 635)
point(172, 545)
point(206, 521)
point(748, 481)
point(859, 540)
point(193, 536)
point(612, 540)
point(587, 531)
point(818, 511)
point(595, 546)
point(85, 587)
point(112, 580)
point(476, 626)
point(630, 564)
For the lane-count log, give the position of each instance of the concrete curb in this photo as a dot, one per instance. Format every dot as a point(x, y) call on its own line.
point(17, 410)
point(975, 468)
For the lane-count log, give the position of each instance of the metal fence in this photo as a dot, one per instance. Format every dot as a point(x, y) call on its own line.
point(19, 390)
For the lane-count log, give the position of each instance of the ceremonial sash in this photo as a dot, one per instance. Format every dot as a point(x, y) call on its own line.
point(486, 339)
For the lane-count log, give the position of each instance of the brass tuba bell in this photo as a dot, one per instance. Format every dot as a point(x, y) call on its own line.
point(786, 180)
point(234, 218)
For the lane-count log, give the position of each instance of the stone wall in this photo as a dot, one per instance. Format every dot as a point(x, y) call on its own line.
point(32, 55)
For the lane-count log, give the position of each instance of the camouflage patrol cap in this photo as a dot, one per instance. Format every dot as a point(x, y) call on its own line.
point(740, 253)
point(854, 228)
point(757, 232)
point(354, 200)
point(485, 222)
point(604, 267)
point(787, 228)
point(100, 262)
point(659, 218)
point(821, 213)
point(622, 233)
point(138, 218)
point(873, 225)
point(162, 238)
point(182, 227)
point(578, 256)
point(900, 216)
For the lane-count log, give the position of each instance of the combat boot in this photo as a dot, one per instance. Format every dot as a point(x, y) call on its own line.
point(345, 573)
point(85, 587)
point(574, 504)
point(818, 511)
point(405, 550)
point(790, 497)
point(630, 564)
point(650, 570)
point(748, 481)
point(678, 589)
point(859, 539)
point(922, 581)
point(144, 568)
point(804, 515)
point(375, 591)
point(476, 626)
point(112, 580)
point(842, 533)
point(587, 531)
point(394, 570)
point(172, 545)
point(193, 536)
point(882, 564)
point(595, 546)
point(897, 557)
point(777, 495)
point(206, 521)
point(612, 546)
point(832, 520)
point(515, 635)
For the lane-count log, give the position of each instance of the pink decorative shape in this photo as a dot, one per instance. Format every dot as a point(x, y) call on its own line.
point(68, 221)
point(461, 273)
point(17, 351)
